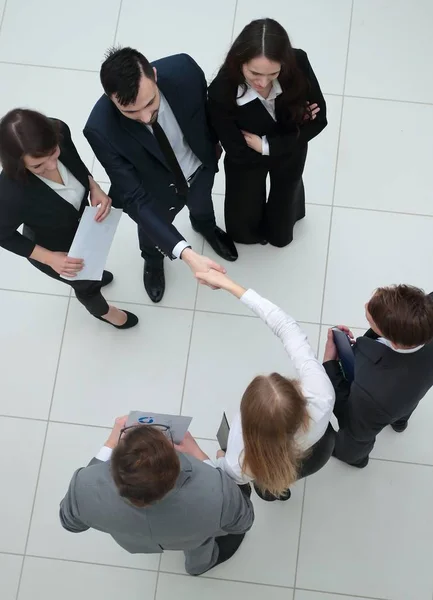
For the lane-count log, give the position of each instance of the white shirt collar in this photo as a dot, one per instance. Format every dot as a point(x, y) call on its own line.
point(63, 174)
point(252, 94)
point(386, 342)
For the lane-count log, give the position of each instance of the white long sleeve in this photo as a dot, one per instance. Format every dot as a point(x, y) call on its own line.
point(315, 384)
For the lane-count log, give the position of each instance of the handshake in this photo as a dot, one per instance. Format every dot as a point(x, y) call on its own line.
point(207, 271)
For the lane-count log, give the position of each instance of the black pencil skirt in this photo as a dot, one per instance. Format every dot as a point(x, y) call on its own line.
point(86, 292)
point(317, 458)
point(251, 216)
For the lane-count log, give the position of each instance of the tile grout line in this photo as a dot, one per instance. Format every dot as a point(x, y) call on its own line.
point(198, 437)
point(3, 15)
point(234, 21)
point(267, 585)
point(344, 595)
point(326, 266)
point(157, 577)
point(117, 22)
point(190, 342)
point(299, 536)
point(20, 64)
point(180, 308)
point(335, 175)
point(43, 449)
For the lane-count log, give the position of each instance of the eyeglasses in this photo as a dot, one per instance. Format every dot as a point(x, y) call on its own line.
point(165, 429)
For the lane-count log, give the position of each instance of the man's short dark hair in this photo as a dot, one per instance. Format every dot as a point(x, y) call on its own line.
point(404, 314)
point(121, 73)
point(144, 465)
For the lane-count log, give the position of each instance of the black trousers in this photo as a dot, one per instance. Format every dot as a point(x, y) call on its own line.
point(317, 458)
point(202, 216)
point(251, 217)
point(87, 292)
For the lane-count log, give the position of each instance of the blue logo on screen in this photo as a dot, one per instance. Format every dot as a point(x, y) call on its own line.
point(146, 420)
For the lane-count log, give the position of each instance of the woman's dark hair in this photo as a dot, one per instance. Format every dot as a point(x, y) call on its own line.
point(22, 132)
point(121, 73)
point(266, 37)
point(144, 465)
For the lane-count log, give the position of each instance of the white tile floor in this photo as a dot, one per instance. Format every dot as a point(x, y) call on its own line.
point(345, 533)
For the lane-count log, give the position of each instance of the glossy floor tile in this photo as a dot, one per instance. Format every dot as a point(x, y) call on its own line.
point(281, 273)
point(377, 523)
point(198, 588)
point(370, 249)
point(203, 34)
point(31, 33)
point(19, 465)
point(32, 329)
point(130, 367)
point(397, 158)
point(379, 66)
point(10, 568)
point(52, 579)
point(226, 353)
point(345, 533)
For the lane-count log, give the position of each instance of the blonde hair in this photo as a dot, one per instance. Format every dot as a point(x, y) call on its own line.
point(273, 410)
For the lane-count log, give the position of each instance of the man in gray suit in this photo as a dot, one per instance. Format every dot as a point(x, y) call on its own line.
point(151, 496)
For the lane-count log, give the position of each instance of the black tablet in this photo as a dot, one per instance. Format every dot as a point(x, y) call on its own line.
point(223, 433)
point(345, 353)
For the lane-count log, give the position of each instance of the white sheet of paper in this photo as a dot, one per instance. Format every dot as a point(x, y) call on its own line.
point(92, 242)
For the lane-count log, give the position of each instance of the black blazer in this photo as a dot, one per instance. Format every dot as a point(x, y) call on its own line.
point(141, 180)
point(283, 135)
point(49, 220)
point(387, 387)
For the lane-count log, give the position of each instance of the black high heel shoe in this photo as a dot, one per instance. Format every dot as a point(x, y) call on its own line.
point(131, 321)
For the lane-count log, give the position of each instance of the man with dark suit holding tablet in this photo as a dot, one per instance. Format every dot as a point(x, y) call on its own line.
point(393, 370)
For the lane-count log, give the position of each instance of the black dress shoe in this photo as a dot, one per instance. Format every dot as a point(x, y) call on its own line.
point(131, 321)
point(222, 244)
point(228, 546)
point(399, 426)
point(263, 242)
point(154, 281)
point(107, 278)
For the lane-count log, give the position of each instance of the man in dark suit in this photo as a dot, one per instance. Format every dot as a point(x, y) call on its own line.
point(393, 370)
point(150, 132)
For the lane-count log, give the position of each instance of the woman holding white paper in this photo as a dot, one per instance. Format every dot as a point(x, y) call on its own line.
point(45, 186)
point(282, 432)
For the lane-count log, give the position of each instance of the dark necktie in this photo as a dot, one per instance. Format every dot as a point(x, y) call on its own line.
point(170, 157)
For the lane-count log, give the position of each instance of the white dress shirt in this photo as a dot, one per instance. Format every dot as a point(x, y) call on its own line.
point(269, 103)
point(315, 384)
point(71, 190)
point(188, 161)
point(386, 342)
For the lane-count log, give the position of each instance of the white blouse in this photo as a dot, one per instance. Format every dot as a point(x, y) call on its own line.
point(72, 190)
point(315, 384)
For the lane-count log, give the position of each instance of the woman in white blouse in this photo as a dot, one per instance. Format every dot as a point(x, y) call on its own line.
point(282, 432)
point(45, 186)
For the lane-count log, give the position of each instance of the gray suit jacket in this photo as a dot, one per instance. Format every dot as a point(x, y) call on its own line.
point(204, 503)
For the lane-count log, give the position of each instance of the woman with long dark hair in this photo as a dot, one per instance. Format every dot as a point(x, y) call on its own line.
point(45, 186)
point(265, 105)
point(282, 431)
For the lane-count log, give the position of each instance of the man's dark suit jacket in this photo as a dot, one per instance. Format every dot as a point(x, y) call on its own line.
point(141, 181)
point(387, 387)
point(49, 220)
